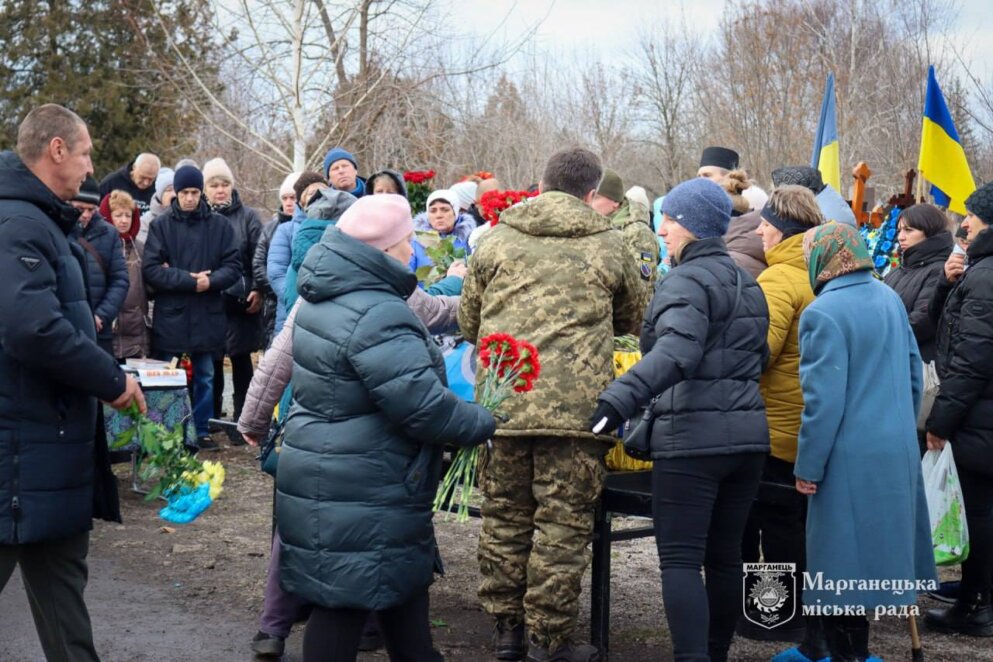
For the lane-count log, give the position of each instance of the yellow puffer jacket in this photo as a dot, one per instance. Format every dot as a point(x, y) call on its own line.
point(787, 292)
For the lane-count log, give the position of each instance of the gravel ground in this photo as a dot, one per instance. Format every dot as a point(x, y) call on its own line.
point(195, 592)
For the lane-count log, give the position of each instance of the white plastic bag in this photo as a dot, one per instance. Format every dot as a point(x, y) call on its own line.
point(949, 531)
point(930, 392)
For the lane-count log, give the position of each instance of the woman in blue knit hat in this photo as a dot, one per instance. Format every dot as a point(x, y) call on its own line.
point(703, 345)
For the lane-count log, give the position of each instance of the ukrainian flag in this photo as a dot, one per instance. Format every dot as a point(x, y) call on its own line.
point(942, 161)
point(825, 157)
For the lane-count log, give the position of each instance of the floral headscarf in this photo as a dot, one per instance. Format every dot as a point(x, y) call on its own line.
point(832, 250)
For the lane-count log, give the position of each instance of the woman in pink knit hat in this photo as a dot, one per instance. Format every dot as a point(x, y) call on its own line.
point(361, 460)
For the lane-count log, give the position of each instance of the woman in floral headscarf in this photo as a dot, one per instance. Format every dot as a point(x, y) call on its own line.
point(858, 458)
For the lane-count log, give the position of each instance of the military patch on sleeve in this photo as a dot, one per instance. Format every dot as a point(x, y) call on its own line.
point(646, 266)
point(31, 263)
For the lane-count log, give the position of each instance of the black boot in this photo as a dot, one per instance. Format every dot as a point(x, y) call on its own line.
point(508, 641)
point(971, 615)
point(843, 641)
point(814, 644)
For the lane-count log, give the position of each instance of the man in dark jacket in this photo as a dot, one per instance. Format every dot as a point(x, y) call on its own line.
point(107, 272)
point(190, 258)
point(51, 374)
point(136, 178)
point(963, 410)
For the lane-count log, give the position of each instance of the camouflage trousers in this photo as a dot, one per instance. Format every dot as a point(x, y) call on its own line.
point(540, 494)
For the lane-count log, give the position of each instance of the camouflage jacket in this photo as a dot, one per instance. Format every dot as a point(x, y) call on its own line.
point(633, 222)
point(553, 272)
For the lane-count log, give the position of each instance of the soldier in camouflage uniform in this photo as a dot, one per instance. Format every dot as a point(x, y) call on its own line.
point(632, 219)
point(555, 273)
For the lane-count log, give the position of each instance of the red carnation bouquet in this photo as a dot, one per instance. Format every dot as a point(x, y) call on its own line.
point(509, 366)
point(420, 183)
point(494, 202)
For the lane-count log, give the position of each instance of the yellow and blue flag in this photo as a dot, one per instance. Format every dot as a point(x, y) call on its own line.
point(942, 160)
point(826, 157)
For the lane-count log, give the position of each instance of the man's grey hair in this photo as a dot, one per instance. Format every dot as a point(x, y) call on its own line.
point(147, 157)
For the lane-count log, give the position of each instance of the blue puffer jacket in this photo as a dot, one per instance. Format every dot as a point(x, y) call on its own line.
point(278, 263)
point(107, 288)
point(361, 460)
point(51, 369)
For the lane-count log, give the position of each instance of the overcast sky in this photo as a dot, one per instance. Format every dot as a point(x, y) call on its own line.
point(609, 27)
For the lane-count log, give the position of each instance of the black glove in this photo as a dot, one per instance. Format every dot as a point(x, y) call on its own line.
point(605, 411)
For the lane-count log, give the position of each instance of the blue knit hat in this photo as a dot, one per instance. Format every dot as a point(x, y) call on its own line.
point(187, 177)
point(337, 154)
point(700, 206)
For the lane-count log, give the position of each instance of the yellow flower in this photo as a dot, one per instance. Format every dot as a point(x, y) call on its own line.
point(213, 473)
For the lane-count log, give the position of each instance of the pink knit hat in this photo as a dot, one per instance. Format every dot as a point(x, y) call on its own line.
point(378, 220)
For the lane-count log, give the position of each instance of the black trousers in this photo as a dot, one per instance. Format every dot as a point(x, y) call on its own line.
point(700, 505)
point(333, 635)
point(977, 569)
point(241, 375)
point(54, 574)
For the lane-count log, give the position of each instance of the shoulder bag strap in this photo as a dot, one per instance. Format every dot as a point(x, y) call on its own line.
point(89, 248)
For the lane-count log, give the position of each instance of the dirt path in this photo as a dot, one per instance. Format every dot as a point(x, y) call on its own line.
point(195, 592)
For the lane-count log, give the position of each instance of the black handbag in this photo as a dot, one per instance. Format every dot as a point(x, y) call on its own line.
point(638, 430)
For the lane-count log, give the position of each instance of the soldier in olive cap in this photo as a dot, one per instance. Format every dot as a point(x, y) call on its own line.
point(632, 220)
point(555, 273)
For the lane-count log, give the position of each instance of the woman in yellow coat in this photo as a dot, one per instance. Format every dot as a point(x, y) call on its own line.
point(776, 524)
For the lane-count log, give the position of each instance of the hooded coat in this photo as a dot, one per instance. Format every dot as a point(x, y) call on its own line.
point(921, 267)
point(120, 180)
point(131, 330)
point(963, 410)
point(708, 385)
point(244, 330)
point(190, 242)
point(744, 246)
point(54, 472)
point(324, 210)
point(392, 174)
point(107, 282)
point(787, 293)
point(555, 273)
point(361, 460)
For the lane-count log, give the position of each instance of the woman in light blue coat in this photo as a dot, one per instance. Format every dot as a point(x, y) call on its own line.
point(858, 457)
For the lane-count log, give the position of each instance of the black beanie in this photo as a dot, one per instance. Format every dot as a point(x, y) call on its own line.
point(805, 176)
point(980, 203)
point(89, 192)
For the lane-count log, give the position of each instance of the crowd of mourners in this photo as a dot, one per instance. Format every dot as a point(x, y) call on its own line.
point(783, 375)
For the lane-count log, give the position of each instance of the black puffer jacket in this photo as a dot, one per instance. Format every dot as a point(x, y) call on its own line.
point(189, 242)
point(259, 262)
point(51, 369)
point(244, 330)
point(710, 402)
point(921, 269)
point(108, 282)
point(362, 458)
point(963, 410)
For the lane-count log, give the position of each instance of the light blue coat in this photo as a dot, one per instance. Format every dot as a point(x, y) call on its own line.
point(861, 376)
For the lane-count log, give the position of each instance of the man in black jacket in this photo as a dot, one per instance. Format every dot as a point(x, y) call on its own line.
point(190, 258)
point(51, 374)
point(107, 272)
point(136, 178)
